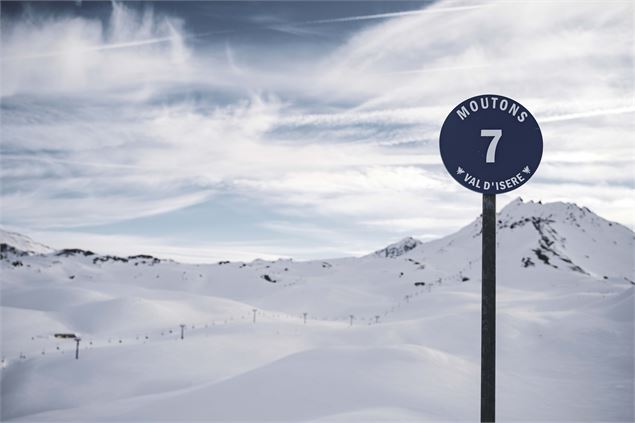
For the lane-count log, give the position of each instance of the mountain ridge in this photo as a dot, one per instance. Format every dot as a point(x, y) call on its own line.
point(550, 248)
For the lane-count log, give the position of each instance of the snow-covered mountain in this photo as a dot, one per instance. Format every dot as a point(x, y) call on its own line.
point(556, 235)
point(392, 335)
point(399, 248)
point(22, 243)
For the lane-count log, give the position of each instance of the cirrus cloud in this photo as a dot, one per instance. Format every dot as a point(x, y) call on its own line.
point(126, 117)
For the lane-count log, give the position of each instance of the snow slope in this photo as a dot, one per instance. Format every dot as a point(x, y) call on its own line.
point(394, 335)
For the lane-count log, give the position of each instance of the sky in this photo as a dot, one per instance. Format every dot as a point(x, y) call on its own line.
point(203, 131)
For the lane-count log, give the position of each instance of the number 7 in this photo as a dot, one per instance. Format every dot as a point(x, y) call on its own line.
point(496, 135)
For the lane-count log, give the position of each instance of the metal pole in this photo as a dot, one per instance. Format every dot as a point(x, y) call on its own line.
point(77, 348)
point(305, 318)
point(488, 310)
point(182, 329)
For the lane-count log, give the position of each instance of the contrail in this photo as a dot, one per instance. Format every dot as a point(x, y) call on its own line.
point(166, 39)
point(392, 14)
point(439, 69)
point(93, 48)
point(582, 115)
point(113, 46)
point(63, 161)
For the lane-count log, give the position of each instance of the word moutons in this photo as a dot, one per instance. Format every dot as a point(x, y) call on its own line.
point(484, 102)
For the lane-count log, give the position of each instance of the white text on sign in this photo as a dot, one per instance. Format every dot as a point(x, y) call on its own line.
point(504, 185)
point(493, 102)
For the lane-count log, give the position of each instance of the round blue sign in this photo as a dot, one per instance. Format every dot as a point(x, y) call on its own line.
point(491, 144)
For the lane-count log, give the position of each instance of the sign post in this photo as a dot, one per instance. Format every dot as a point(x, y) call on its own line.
point(488, 310)
point(77, 339)
point(490, 144)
